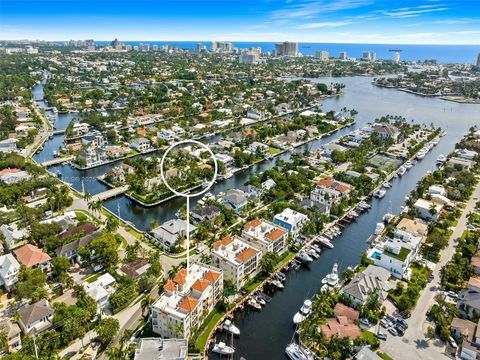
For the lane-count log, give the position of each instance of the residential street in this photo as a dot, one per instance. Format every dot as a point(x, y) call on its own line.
point(415, 344)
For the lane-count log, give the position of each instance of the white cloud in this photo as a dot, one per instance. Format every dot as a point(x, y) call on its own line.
point(324, 24)
point(309, 9)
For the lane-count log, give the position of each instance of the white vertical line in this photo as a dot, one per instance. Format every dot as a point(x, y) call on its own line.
point(188, 234)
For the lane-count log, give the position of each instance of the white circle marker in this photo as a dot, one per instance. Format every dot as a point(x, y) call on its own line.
point(189, 195)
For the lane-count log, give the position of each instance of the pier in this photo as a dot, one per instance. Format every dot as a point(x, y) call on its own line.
point(110, 193)
point(56, 161)
point(57, 132)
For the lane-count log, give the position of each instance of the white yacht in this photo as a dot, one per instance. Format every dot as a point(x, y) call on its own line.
point(277, 284)
point(325, 242)
point(379, 228)
point(401, 170)
point(408, 165)
point(332, 278)
point(304, 257)
point(303, 312)
point(387, 185)
point(441, 159)
point(229, 327)
point(388, 217)
point(379, 193)
point(254, 304)
point(313, 254)
point(421, 154)
point(295, 352)
point(223, 349)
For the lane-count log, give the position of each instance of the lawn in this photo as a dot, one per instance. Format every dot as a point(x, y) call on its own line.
point(92, 277)
point(272, 150)
point(207, 327)
point(384, 356)
point(135, 233)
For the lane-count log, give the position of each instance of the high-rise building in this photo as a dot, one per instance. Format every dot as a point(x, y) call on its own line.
point(248, 58)
point(478, 61)
point(373, 56)
point(155, 47)
point(286, 49)
point(200, 48)
point(222, 46)
point(114, 42)
point(366, 56)
point(343, 55)
point(396, 56)
point(322, 55)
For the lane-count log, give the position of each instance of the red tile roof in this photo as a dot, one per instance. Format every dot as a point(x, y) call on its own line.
point(252, 224)
point(181, 277)
point(246, 254)
point(9, 171)
point(30, 255)
point(275, 234)
point(346, 311)
point(224, 242)
point(200, 285)
point(211, 276)
point(188, 304)
point(170, 286)
point(340, 327)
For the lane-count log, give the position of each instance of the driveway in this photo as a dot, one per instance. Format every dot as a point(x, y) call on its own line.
point(415, 344)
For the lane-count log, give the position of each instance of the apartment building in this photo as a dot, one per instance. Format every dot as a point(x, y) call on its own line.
point(238, 260)
point(187, 300)
point(265, 236)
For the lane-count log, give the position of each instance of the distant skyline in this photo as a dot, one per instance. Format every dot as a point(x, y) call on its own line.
point(335, 21)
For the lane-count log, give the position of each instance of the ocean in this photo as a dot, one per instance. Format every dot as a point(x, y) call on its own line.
point(464, 54)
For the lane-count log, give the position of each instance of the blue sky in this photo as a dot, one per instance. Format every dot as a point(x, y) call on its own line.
point(347, 21)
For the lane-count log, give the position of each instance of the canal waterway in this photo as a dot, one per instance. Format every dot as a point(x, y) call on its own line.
point(265, 334)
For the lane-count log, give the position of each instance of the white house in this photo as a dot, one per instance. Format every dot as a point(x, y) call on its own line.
point(427, 210)
point(13, 176)
point(35, 317)
point(140, 144)
point(9, 269)
point(392, 257)
point(100, 290)
point(166, 134)
point(13, 235)
point(8, 145)
point(437, 190)
point(265, 236)
point(291, 220)
point(169, 232)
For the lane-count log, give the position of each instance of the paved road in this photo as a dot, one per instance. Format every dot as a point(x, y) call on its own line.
point(415, 344)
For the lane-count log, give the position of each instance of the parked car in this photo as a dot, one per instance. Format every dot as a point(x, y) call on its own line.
point(381, 336)
point(452, 295)
point(406, 314)
point(400, 330)
point(391, 318)
point(365, 322)
point(384, 323)
point(430, 277)
point(393, 331)
point(403, 323)
point(452, 342)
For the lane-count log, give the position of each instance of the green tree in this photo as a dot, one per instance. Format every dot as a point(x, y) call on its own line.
point(268, 262)
point(106, 329)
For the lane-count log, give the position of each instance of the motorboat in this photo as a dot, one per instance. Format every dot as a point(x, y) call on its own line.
point(303, 312)
point(401, 170)
point(229, 327)
point(379, 228)
point(277, 284)
point(408, 165)
point(281, 276)
point(443, 133)
point(379, 193)
point(332, 278)
point(441, 159)
point(421, 154)
point(223, 349)
point(388, 217)
point(304, 257)
point(295, 352)
point(316, 248)
point(312, 253)
point(387, 185)
point(260, 300)
point(325, 242)
point(254, 304)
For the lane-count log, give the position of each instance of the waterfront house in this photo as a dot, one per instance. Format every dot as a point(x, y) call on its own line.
point(208, 212)
point(67, 220)
point(80, 128)
point(13, 176)
point(254, 114)
point(9, 269)
point(366, 353)
point(225, 159)
point(8, 145)
point(92, 156)
point(115, 152)
point(329, 191)
point(70, 249)
point(329, 148)
point(386, 131)
point(392, 256)
point(100, 290)
point(341, 327)
point(140, 144)
point(33, 257)
point(437, 190)
point(411, 233)
point(13, 332)
point(467, 154)
point(170, 232)
point(235, 199)
point(162, 349)
point(268, 184)
point(35, 317)
point(265, 236)
point(186, 301)
point(460, 163)
point(135, 269)
point(467, 335)
point(291, 220)
point(372, 280)
point(93, 140)
point(427, 210)
point(166, 135)
point(251, 191)
point(238, 260)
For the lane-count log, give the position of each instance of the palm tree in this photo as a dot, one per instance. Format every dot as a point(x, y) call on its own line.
point(3, 340)
point(173, 270)
point(87, 196)
point(146, 303)
point(112, 224)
